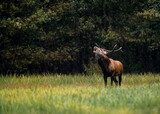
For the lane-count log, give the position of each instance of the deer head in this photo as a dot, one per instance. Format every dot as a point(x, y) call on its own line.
point(101, 51)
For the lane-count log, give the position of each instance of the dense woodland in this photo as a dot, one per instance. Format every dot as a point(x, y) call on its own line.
point(57, 36)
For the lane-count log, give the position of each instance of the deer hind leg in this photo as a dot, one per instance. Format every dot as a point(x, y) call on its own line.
point(120, 79)
point(105, 80)
point(115, 80)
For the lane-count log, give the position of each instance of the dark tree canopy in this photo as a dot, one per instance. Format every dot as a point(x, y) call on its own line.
point(58, 36)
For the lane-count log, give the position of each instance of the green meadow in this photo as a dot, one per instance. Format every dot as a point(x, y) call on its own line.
point(79, 94)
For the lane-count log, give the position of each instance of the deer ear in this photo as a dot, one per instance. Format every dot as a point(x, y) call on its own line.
point(106, 51)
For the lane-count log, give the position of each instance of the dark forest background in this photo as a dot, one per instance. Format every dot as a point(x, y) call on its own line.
point(57, 36)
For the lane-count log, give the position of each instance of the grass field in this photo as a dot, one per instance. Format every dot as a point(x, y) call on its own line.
point(66, 94)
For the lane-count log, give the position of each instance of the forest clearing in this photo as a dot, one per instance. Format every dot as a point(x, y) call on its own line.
point(53, 54)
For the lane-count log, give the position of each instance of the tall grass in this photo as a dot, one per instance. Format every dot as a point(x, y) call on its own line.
point(127, 79)
point(79, 94)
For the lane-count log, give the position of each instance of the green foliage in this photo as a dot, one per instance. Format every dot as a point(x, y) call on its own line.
point(92, 69)
point(58, 36)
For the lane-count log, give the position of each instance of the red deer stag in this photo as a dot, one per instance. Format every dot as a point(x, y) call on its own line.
point(110, 68)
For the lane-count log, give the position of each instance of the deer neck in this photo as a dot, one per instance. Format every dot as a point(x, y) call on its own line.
point(104, 63)
point(104, 59)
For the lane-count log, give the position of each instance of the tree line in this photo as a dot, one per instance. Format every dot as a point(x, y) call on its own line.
point(58, 36)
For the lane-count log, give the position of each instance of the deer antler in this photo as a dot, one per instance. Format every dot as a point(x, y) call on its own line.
point(114, 47)
point(113, 50)
point(120, 49)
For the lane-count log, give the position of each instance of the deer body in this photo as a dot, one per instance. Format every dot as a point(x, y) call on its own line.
point(110, 68)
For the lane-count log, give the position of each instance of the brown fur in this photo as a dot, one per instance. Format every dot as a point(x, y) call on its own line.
point(111, 68)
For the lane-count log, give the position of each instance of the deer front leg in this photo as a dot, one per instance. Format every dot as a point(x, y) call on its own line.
point(112, 78)
point(112, 81)
point(105, 80)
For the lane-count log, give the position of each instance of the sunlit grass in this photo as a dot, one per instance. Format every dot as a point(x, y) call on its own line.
point(79, 94)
